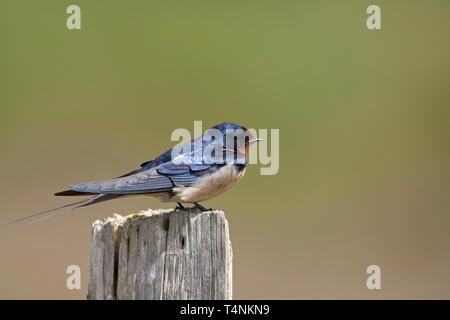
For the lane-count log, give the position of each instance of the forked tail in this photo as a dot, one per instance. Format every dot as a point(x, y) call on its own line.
point(67, 208)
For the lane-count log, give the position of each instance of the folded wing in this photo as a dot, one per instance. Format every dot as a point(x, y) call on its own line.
point(160, 179)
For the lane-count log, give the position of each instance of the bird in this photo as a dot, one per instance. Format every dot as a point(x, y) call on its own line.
point(198, 170)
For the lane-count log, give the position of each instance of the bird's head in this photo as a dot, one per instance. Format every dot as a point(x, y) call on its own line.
point(236, 137)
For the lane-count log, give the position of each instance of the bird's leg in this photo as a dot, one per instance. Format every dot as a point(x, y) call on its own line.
point(199, 206)
point(180, 207)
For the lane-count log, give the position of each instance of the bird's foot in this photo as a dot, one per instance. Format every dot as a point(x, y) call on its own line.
point(180, 207)
point(200, 207)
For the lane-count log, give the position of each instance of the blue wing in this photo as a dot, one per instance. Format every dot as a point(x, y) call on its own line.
point(162, 178)
point(185, 174)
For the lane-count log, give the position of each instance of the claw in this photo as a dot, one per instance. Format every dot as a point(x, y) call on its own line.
point(202, 208)
point(179, 207)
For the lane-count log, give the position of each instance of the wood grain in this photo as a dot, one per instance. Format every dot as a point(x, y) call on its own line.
point(161, 254)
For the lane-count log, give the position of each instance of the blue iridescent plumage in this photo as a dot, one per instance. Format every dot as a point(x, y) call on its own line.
point(214, 162)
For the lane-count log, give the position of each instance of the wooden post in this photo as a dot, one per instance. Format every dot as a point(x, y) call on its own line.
point(161, 254)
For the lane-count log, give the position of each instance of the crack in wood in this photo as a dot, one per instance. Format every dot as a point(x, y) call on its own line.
point(161, 254)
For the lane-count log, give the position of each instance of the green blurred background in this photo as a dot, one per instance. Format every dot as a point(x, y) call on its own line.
point(364, 134)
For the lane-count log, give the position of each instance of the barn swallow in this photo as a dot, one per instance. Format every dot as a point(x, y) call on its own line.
point(196, 171)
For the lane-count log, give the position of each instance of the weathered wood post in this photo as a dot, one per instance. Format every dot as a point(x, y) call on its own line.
point(161, 254)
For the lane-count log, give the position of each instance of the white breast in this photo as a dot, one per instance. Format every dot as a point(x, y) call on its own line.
point(209, 186)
